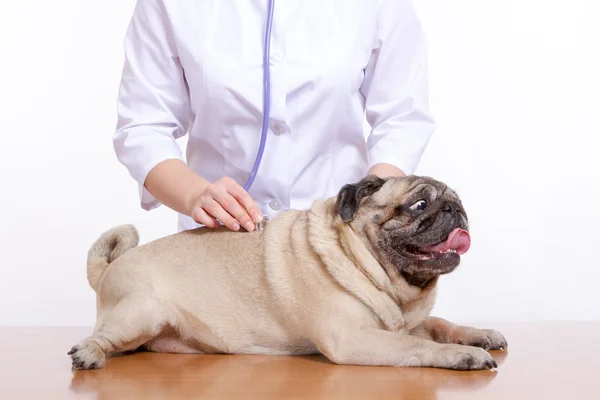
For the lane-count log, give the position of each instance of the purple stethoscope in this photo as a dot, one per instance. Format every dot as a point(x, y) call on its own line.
point(266, 96)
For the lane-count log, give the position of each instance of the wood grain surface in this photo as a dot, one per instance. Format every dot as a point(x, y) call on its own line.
point(544, 361)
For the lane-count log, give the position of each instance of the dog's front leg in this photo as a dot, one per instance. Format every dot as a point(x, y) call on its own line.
point(376, 347)
point(442, 331)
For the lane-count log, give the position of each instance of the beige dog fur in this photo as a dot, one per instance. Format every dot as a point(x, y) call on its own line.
point(309, 283)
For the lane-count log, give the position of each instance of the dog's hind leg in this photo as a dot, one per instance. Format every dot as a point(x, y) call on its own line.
point(132, 322)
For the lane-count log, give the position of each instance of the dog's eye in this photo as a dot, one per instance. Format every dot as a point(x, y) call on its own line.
point(419, 205)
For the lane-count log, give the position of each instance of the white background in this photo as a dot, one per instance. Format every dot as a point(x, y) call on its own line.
point(515, 89)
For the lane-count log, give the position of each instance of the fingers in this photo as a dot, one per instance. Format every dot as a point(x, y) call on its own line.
point(229, 203)
point(244, 199)
point(234, 209)
point(202, 217)
point(216, 210)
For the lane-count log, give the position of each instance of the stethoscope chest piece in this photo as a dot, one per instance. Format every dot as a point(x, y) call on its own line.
point(262, 224)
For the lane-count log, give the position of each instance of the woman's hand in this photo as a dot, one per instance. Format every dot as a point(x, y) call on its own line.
point(226, 201)
point(174, 184)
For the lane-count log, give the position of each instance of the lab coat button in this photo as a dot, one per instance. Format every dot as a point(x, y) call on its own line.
point(275, 205)
point(275, 58)
point(278, 129)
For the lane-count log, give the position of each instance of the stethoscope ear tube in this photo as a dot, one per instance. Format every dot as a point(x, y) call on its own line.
point(266, 96)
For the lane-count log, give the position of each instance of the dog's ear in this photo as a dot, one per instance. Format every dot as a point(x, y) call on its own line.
point(350, 196)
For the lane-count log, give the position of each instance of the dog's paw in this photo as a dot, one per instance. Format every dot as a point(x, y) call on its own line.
point(487, 339)
point(87, 355)
point(465, 358)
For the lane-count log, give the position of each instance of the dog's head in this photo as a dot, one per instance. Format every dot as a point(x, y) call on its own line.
point(416, 226)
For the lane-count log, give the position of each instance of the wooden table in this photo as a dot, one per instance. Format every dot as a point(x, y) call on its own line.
point(544, 361)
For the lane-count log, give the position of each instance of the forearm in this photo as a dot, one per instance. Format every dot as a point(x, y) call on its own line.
point(175, 185)
point(386, 170)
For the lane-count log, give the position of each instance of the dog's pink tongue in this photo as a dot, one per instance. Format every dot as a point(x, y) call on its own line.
point(458, 240)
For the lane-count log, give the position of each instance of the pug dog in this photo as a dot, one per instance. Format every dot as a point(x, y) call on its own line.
point(352, 278)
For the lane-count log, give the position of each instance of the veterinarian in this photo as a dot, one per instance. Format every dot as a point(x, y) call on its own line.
point(196, 68)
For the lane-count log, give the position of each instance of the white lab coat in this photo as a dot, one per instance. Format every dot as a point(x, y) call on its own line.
point(195, 67)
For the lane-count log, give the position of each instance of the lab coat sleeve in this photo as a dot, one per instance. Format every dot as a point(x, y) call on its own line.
point(395, 87)
point(153, 102)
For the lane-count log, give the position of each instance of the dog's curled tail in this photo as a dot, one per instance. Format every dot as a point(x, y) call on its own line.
point(110, 245)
